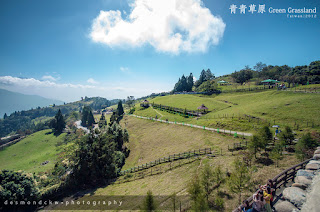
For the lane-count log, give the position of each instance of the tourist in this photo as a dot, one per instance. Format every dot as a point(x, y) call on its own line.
point(246, 207)
point(277, 131)
point(267, 197)
point(273, 190)
point(258, 201)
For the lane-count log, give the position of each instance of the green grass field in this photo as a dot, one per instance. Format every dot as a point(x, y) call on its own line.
point(151, 140)
point(277, 107)
point(29, 153)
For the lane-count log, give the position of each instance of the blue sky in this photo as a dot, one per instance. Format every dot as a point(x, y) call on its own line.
point(58, 49)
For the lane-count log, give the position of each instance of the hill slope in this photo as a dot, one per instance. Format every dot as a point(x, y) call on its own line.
point(12, 101)
point(29, 153)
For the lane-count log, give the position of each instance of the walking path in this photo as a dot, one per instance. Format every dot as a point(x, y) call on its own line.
point(195, 126)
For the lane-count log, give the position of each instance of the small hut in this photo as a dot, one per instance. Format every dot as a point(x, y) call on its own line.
point(144, 103)
point(203, 109)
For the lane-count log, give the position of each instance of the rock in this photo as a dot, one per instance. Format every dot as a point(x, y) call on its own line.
point(295, 195)
point(299, 185)
point(316, 156)
point(307, 173)
point(302, 180)
point(284, 206)
point(312, 166)
point(314, 161)
point(317, 151)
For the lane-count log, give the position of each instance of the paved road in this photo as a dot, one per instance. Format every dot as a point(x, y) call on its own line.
point(78, 125)
point(196, 126)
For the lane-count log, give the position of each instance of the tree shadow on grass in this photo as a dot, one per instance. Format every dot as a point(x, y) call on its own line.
point(264, 161)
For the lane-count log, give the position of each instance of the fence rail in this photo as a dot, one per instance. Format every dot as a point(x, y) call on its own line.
point(283, 178)
point(237, 146)
point(178, 110)
point(170, 158)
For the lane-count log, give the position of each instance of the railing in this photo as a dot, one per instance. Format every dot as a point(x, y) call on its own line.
point(178, 110)
point(170, 158)
point(283, 178)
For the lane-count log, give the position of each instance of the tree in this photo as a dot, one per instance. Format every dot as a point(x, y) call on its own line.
point(149, 203)
point(242, 76)
point(305, 146)
point(190, 82)
point(239, 179)
point(197, 195)
point(5, 116)
point(259, 66)
point(87, 119)
point(207, 180)
point(130, 101)
point(287, 136)
point(102, 121)
point(265, 136)
point(95, 159)
point(276, 153)
point(59, 123)
point(255, 145)
point(17, 186)
point(120, 111)
point(207, 86)
point(218, 176)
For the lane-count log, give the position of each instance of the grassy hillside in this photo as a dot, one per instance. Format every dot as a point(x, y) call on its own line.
point(151, 140)
point(276, 107)
point(29, 153)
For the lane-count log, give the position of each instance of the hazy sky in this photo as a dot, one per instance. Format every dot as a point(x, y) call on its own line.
point(67, 49)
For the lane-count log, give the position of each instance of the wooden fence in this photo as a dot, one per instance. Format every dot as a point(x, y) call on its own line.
point(176, 110)
point(282, 179)
point(170, 158)
point(237, 146)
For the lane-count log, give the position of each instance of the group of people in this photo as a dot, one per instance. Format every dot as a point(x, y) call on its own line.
point(262, 199)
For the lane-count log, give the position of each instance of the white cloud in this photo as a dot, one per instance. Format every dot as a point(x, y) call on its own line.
point(172, 26)
point(50, 78)
point(125, 69)
point(92, 81)
point(71, 92)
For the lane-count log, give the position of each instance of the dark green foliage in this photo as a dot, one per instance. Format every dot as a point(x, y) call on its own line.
point(149, 203)
point(197, 195)
point(207, 86)
point(239, 179)
point(114, 119)
point(102, 121)
point(255, 145)
point(95, 160)
point(204, 76)
point(17, 186)
point(118, 135)
point(286, 137)
point(207, 180)
point(58, 123)
point(5, 116)
point(265, 136)
point(305, 146)
point(120, 110)
point(242, 76)
point(87, 119)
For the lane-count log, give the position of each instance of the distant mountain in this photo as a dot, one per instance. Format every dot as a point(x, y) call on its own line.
point(12, 101)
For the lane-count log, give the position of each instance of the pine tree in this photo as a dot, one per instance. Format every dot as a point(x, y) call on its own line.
point(120, 108)
point(190, 82)
point(59, 123)
point(5, 116)
point(90, 119)
point(149, 203)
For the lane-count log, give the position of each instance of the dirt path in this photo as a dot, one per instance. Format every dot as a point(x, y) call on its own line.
point(195, 126)
point(157, 112)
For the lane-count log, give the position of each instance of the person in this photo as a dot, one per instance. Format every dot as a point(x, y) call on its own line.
point(267, 197)
point(277, 131)
point(246, 207)
point(258, 201)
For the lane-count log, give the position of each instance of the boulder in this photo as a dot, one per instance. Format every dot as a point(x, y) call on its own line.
point(295, 195)
point(314, 161)
point(317, 151)
point(312, 166)
point(307, 173)
point(316, 156)
point(284, 206)
point(302, 180)
point(299, 185)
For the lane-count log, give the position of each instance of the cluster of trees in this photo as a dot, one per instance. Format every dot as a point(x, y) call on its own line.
point(184, 84)
point(298, 74)
point(118, 114)
point(205, 83)
point(58, 123)
point(87, 119)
